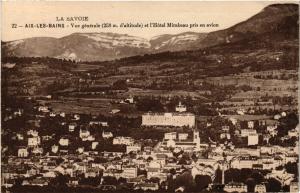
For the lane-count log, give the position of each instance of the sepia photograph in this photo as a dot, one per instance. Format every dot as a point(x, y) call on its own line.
point(149, 96)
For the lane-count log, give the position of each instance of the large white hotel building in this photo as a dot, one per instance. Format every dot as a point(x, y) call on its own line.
point(169, 119)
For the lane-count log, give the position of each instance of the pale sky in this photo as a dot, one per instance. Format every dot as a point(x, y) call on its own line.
point(223, 13)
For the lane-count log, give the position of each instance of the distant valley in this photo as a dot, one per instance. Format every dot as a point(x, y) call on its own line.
point(255, 60)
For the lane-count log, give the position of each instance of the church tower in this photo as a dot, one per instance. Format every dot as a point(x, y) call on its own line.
point(196, 139)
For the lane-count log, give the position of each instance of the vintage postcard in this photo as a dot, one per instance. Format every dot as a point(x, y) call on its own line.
point(150, 96)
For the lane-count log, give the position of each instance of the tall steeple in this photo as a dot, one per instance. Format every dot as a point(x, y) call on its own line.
point(196, 139)
point(223, 174)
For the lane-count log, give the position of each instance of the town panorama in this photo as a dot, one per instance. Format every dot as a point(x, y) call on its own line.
point(188, 112)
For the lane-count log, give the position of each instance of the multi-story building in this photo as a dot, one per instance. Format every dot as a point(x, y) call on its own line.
point(244, 162)
point(235, 187)
point(294, 187)
point(282, 176)
point(34, 141)
point(169, 119)
point(247, 132)
point(147, 186)
point(72, 127)
point(129, 172)
point(107, 134)
point(180, 108)
point(252, 139)
point(133, 148)
point(123, 140)
point(84, 133)
point(260, 188)
point(186, 144)
point(250, 124)
point(171, 135)
point(64, 141)
point(23, 152)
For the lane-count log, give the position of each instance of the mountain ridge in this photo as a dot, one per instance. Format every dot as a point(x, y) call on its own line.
point(104, 46)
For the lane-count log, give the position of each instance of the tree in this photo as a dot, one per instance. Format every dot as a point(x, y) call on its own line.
point(122, 180)
point(18, 182)
point(273, 185)
point(120, 85)
point(258, 177)
point(154, 180)
point(194, 157)
point(292, 168)
point(287, 123)
point(202, 182)
point(59, 161)
point(92, 181)
point(184, 159)
point(245, 173)
point(250, 184)
point(233, 174)
point(186, 180)
point(172, 171)
point(141, 172)
point(110, 180)
point(60, 181)
point(148, 104)
point(149, 159)
point(218, 178)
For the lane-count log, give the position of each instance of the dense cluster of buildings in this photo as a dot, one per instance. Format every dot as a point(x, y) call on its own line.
point(78, 155)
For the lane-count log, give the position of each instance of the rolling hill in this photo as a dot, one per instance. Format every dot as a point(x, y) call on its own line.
point(266, 41)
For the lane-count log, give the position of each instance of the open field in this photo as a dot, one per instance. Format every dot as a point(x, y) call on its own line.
point(249, 117)
point(164, 93)
point(85, 67)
